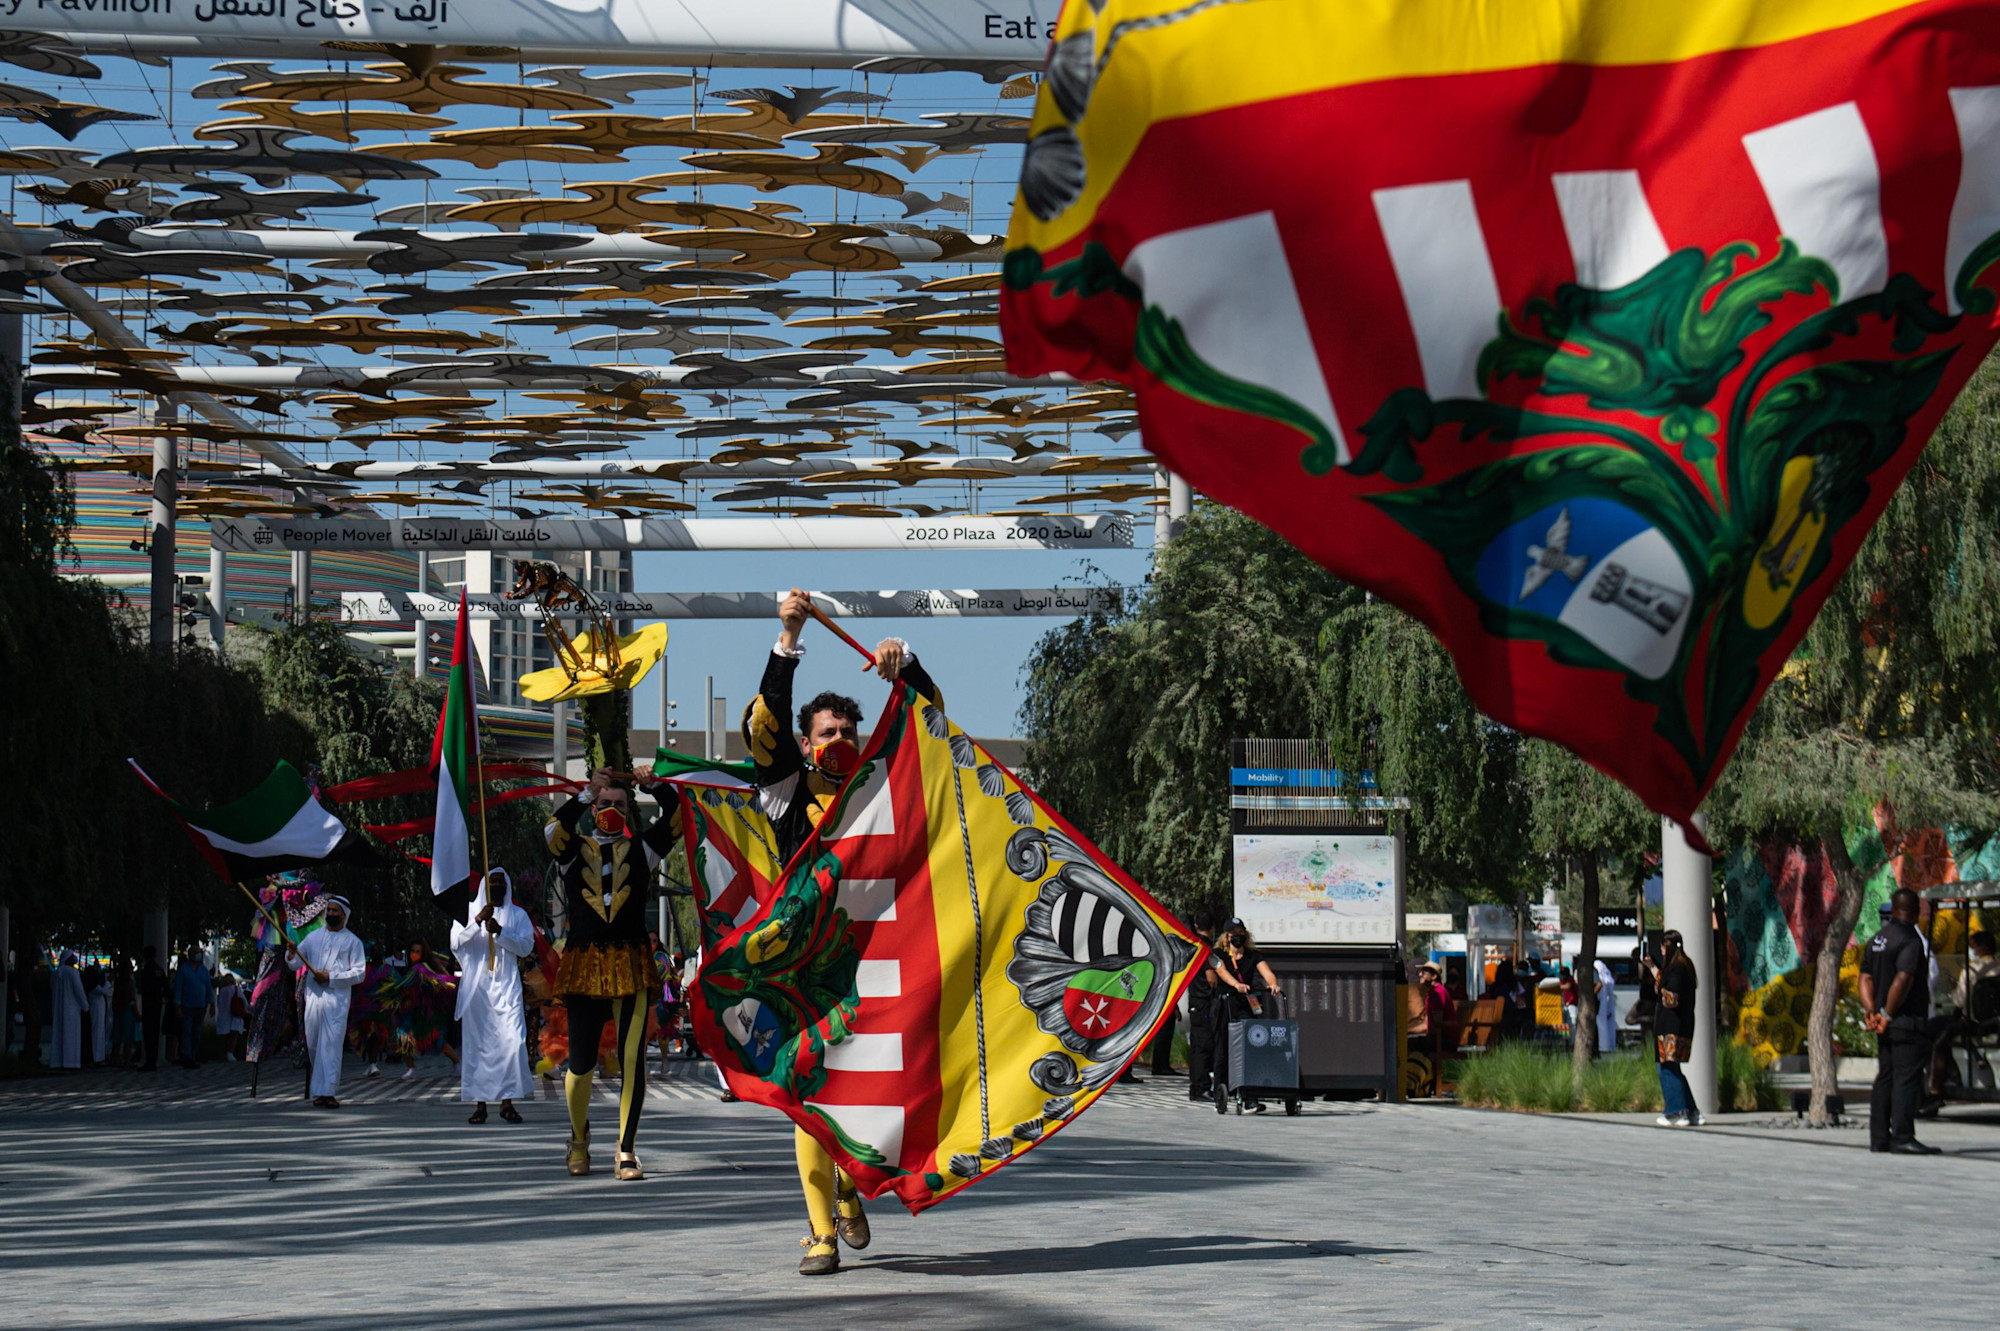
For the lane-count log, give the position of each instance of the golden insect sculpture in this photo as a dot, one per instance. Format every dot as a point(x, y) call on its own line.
point(556, 592)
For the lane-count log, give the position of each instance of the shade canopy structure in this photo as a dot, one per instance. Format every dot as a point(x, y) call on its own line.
point(529, 261)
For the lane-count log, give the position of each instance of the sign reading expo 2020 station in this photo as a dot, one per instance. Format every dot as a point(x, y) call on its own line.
point(1320, 887)
point(1017, 30)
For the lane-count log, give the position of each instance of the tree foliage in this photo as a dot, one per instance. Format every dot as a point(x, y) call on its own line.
point(1129, 715)
point(1892, 702)
point(1391, 701)
point(95, 851)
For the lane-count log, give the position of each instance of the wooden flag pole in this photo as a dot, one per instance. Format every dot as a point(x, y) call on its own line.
point(485, 855)
point(812, 608)
point(284, 939)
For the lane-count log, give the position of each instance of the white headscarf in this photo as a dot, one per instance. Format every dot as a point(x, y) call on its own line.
point(479, 897)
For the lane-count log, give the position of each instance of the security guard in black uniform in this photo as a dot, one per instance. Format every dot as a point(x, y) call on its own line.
point(1896, 1004)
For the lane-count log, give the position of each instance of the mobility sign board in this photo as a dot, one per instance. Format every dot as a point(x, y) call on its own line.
point(1061, 532)
point(840, 31)
point(1319, 888)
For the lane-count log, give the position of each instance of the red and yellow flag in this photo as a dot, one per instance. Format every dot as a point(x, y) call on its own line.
point(1595, 335)
point(944, 975)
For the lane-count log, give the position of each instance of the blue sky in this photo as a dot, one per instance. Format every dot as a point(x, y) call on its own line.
point(977, 662)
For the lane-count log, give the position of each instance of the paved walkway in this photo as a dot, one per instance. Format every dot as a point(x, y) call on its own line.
point(177, 1202)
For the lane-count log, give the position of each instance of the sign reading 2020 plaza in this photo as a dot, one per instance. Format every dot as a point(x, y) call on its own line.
point(1056, 532)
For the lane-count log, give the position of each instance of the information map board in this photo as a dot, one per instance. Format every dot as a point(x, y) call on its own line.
point(1318, 887)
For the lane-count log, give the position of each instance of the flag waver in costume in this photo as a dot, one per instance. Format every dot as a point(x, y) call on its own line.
point(1595, 335)
point(941, 977)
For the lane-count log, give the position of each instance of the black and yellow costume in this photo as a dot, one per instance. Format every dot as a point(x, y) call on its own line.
point(795, 796)
point(607, 972)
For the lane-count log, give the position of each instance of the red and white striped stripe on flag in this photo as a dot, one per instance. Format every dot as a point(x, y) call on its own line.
point(454, 756)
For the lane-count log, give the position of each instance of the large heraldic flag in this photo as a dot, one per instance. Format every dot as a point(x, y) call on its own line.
point(942, 977)
point(1595, 335)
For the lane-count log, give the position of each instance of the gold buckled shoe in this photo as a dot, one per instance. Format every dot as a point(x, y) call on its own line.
point(849, 1220)
point(822, 1255)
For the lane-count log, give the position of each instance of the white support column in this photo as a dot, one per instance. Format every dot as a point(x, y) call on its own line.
point(559, 737)
point(1163, 522)
point(163, 595)
point(666, 706)
point(10, 359)
point(218, 591)
point(708, 723)
point(302, 581)
point(1180, 501)
point(421, 661)
point(1688, 897)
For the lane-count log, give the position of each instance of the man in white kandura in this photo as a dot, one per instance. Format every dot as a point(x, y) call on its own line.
point(67, 1006)
point(1607, 1008)
point(489, 947)
point(335, 963)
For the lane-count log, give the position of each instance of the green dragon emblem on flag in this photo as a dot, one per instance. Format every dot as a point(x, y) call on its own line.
point(1692, 473)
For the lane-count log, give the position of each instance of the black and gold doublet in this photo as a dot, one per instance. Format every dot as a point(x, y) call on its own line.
point(793, 793)
point(605, 892)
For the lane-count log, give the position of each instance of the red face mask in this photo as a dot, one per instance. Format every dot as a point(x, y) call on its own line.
point(837, 758)
point(610, 821)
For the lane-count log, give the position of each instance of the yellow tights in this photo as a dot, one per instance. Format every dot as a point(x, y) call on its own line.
point(816, 1177)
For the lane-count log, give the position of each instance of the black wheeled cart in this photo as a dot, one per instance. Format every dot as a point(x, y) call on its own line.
point(1262, 1061)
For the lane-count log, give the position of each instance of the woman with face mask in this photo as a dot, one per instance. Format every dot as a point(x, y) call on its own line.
point(1673, 1030)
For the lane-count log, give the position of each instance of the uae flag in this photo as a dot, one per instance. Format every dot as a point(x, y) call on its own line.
point(278, 826)
point(1594, 335)
point(454, 764)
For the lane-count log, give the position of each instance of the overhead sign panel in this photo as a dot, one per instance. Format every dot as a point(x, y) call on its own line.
point(855, 29)
point(1322, 778)
point(1094, 532)
point(943, 603)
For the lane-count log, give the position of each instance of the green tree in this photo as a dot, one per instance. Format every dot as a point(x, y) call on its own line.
point(1129, 715)
point(1390, 700)
point(1577, 815)
point(1893, 700)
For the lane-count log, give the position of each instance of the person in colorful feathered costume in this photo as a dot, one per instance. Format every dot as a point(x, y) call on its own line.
point(407, 1003)
point(274, 996)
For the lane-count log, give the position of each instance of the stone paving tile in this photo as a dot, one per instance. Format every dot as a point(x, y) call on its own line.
point(216, 1210)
